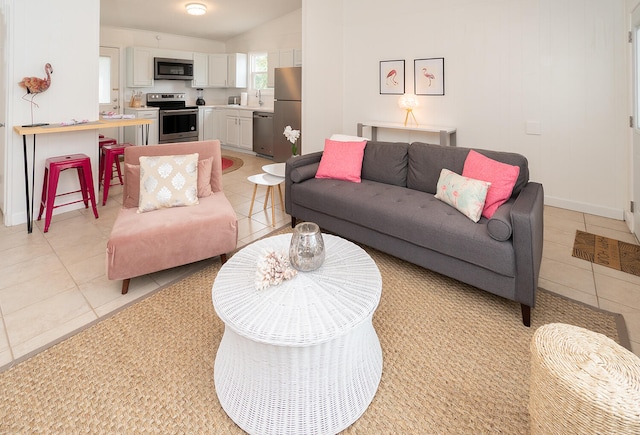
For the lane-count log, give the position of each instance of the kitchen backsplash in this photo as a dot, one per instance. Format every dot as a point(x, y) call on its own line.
point(212, 96)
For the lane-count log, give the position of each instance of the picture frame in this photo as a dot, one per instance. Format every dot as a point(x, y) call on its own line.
point(428, 76)
point(392, 77)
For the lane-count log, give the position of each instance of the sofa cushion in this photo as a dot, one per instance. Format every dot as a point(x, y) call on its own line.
point(341, 160)
point(304, 172)
point(168, 181)
point(409, 215)
point(426, 161)
point(386, 162)
point(501, 176)
point(499, 226)
point(463, 193)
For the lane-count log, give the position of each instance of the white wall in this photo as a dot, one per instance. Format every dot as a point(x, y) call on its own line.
point(324, 71)
point(282, 33)
point(66, 37)
point(561, 64)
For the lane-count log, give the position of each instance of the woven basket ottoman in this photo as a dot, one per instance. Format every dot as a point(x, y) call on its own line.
point(582, 382)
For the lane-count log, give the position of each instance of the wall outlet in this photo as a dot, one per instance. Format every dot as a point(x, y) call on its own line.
point(533, 127)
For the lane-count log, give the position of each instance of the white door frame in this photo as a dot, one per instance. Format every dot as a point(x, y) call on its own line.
point(634, 172)
point(116, 90)
point(6, 151)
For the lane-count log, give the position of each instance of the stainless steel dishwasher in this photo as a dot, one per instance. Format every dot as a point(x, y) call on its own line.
point(263, 133)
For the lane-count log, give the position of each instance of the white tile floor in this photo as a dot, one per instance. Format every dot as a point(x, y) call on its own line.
point(54, 283)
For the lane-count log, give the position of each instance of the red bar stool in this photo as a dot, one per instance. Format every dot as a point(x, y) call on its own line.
point(52, 169)
point(102, 141)
point(111, 156)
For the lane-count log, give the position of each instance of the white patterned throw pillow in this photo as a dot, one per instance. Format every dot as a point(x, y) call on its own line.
point(465, 194)
point(168, 181)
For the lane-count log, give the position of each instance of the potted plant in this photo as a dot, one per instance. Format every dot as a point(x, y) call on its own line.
point(292, 136)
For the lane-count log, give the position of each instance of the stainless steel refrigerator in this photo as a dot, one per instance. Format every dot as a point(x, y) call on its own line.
point(287, 109)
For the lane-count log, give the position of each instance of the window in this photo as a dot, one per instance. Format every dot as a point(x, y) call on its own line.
point(258, 71)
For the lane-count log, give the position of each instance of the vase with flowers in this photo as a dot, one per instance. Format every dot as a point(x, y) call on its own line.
point(292, 136)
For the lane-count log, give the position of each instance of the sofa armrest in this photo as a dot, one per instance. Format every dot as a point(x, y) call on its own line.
point(299, 169)
point(528, 234)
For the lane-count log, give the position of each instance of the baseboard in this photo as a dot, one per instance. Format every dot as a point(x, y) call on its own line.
point(613, 213)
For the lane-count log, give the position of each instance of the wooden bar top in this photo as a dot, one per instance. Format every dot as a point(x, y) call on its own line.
point(92, 125)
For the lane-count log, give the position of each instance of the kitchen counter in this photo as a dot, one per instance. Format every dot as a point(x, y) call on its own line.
point(268, 109)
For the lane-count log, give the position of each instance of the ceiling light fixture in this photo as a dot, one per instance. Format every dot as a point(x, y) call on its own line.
point(196, 9)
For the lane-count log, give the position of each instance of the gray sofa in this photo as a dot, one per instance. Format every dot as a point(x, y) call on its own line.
point(394, 210)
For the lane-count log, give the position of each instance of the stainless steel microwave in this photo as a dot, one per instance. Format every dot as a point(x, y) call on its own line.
point(172, 69)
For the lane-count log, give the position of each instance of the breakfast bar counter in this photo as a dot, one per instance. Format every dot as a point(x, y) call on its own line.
point(35, 130)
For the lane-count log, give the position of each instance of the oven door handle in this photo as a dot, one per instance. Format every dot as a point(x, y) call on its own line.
point(180, 111)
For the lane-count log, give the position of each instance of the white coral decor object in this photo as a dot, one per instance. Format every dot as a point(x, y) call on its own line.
point(273, 269)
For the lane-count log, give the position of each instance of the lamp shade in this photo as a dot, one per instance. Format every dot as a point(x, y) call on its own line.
point(408, 102)
point(196, 9)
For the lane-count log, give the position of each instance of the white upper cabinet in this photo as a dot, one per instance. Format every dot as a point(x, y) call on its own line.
point(237, 70)
point(139, 67)
point(218, 71)
point(281, 59)
point(200, 70)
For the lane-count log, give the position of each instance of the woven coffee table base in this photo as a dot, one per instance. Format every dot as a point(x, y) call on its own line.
point(582, 382)
point(319, 389)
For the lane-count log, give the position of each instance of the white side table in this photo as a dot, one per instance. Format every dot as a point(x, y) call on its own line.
point(270, 181)
point(277, 169)
point(301, 357)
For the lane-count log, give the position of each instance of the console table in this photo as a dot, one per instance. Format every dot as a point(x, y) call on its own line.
point(447, 134)
point(25, 131)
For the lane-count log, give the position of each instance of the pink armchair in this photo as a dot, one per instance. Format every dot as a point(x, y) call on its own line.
point(142, 243)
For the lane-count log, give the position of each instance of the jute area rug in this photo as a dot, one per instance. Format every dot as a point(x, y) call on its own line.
point(456, 361)
point(608, 252)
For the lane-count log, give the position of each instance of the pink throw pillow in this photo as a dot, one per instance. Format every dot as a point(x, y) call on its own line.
point(501, 176)
point(341, 160)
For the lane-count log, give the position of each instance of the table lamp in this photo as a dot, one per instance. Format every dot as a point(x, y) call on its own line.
point(408, 102)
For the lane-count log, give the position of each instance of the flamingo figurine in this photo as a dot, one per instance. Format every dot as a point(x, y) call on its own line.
point(428, 75)
point(36, 85)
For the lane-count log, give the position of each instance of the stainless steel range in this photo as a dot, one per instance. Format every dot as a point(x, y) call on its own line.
point(177, 121)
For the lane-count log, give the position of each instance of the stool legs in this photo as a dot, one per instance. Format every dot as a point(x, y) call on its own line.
point(52, 172)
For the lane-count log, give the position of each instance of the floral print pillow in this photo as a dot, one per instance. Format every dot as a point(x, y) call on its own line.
point(465, 194)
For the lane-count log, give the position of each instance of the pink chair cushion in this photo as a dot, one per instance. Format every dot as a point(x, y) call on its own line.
point(142, 243)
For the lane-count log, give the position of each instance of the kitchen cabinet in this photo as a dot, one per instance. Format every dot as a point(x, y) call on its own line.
point(237, 70)
point(134, 134)
point(206, 123)
point(239, 129)
point(280, 59)
point(220, 124)
point(200, 70)
point(139, 67)
point(219, 70)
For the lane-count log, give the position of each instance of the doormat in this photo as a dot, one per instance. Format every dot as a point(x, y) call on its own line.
point(230, 164)
point(607, 252)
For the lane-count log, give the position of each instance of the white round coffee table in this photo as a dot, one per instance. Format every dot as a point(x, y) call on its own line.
point(301, 357)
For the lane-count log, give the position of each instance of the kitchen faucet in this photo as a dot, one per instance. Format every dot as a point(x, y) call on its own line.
point(259, 95)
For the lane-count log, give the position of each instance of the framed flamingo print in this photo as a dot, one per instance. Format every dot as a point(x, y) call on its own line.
point(392, 77)
point(428, 76)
